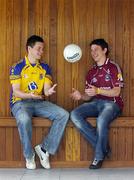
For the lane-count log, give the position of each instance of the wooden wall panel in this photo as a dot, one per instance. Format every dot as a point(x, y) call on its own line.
point(131, 52)
point(61, 22)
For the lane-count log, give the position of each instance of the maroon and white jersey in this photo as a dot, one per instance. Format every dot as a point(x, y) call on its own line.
point(106, 76)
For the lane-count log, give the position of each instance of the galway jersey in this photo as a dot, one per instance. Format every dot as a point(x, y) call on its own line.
point(106, 76)
point(30, 77)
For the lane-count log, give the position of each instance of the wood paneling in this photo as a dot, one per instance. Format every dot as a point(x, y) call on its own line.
point(61, 22)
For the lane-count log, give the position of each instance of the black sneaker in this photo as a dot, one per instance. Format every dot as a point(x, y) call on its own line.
point(96, 164)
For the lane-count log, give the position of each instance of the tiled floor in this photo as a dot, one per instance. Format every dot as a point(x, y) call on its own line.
point(67, 174)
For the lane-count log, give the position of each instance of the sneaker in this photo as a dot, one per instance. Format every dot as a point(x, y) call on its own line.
point(44, 157)
point(96, 164)
point(30, 163)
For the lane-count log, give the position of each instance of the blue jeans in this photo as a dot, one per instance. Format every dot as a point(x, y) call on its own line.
point(105, 111)
point(24, 110)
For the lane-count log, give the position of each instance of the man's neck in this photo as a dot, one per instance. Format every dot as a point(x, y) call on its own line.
point(101, 61)
point(32, 60)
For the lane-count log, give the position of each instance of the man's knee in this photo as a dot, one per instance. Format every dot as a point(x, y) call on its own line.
point(74, 116)
point(23, 119)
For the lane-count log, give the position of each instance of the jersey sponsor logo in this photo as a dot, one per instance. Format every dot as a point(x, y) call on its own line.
point(25, 76)
point(41, 76)
point(106, 88)
point(108, 71)
point(94, 80)
point(100, 75)
point(32, 86)
point(120, 78)
point(107, 77)
point(12, 71)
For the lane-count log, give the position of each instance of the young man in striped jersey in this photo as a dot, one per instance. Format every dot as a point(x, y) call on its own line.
point(103, 101)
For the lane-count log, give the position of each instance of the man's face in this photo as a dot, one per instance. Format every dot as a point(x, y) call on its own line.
point(37, 50)
point(98, 53)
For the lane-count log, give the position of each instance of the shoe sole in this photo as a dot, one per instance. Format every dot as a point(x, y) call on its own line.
point(39, 155)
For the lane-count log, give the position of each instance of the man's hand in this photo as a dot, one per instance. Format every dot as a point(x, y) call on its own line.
point(36, 96)
point(91, 91)
point(51, 90)
point(75, 95)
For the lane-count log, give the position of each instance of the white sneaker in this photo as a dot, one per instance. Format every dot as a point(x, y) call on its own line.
point(30, 163)
point(44, 157)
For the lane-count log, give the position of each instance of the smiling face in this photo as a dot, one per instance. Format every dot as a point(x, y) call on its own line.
point(98, 54)
point(35, 52)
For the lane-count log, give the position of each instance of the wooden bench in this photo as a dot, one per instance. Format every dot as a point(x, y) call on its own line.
point(74, 150)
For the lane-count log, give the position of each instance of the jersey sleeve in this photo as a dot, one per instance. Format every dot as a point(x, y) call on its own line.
point(48, 76)
point(15, 75)
point(116, 76)
point(89, 77)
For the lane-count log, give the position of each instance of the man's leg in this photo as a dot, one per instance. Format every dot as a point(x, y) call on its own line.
point(59, 118)
point(23, 119)
point(78, 117)
point(108, 112)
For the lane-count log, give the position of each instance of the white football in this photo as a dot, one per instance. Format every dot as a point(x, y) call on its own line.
point(72, 53)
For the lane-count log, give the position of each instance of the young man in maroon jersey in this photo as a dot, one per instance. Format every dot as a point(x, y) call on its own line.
point(103, 101)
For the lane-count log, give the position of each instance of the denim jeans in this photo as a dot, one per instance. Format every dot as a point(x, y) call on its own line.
point(105, 112)
point(24, 110)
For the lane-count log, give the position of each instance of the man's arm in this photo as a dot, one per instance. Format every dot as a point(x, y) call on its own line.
point(114, 92)
point(76, 95)
point(20, 94)
point(92, 91)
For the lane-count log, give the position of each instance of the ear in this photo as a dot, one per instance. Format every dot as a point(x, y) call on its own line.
point(105, 50)
point(28, 48)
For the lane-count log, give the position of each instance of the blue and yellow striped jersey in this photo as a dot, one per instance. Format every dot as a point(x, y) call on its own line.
point(30, 77)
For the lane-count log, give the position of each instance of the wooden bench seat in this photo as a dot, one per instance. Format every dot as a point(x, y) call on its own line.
point(74, 150)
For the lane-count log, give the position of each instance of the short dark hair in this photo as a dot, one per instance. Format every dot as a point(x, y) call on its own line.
point(32, 40)
point(102, 43)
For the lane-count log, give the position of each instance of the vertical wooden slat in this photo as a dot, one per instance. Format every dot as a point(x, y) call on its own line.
point(121, 144)
point(9, 144)
point(3, 79)
point(97, 16)
point(24, 27)
point(52, 50)
point(68, 29)
point(69, 142)
point(75, 31)
point(126, 56)
point(129, 144)
point(111, 27)
point(89, 35)
point(83, 148)
point(76, 144)
point(113, 141)
point(16, 143)
point(60, 45)
point(3, 144)
point(82, 39)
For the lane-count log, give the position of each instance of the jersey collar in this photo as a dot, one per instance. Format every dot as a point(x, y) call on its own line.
point(106, 62)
